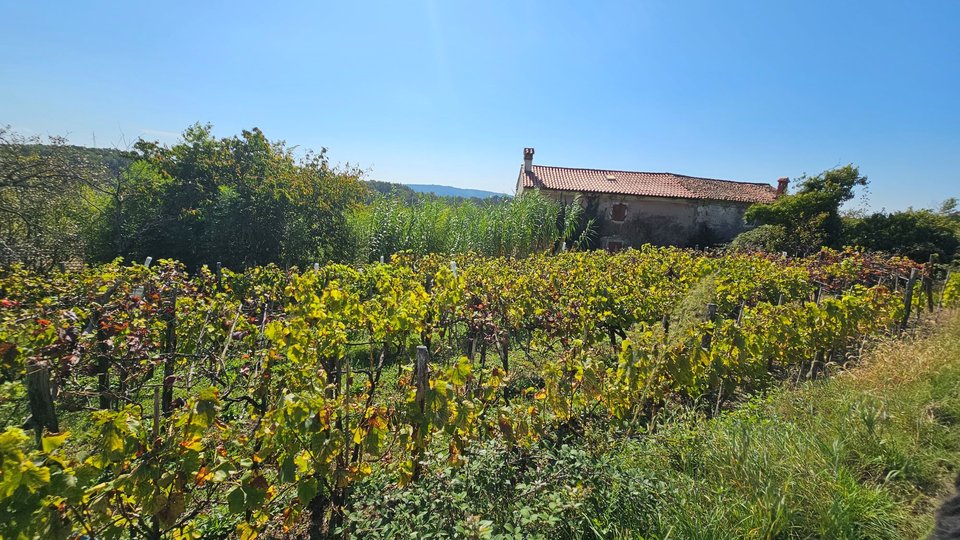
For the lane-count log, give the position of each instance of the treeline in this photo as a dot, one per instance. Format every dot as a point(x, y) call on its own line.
point(810, 218)
point(242, 200)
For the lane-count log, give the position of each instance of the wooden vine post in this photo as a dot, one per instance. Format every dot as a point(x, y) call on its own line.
point(170, 350)
point(421, 382)
point(42, 412)
point(928, 280)
point(908, 298)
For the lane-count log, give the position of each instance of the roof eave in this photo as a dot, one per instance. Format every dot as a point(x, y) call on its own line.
point(704, 199)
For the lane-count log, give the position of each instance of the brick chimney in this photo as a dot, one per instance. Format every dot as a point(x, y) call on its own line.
point(527, 160)
point(782, 185)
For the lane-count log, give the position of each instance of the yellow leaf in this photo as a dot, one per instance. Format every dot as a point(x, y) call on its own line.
point(192, 443)
point(52, 442)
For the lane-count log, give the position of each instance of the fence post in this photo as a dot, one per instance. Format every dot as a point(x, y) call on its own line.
point(171, 353)
point(908, 298)
point(928, 280)
point(42, 411)
point(420, 380)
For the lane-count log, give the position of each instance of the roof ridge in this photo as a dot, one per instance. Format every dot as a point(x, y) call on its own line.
point(664, 173)
point(600, 170)
point(723, 180)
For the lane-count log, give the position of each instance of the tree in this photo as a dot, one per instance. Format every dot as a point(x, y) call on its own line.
point(48, 200)
point(808, 219)
point(912, 233)
point(240, 200)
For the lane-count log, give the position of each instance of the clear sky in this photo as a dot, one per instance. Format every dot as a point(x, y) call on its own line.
point(451, 92)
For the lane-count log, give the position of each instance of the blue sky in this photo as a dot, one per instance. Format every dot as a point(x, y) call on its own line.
point(451, 92)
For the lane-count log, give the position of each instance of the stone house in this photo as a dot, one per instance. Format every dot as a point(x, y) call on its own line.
point(634, 208)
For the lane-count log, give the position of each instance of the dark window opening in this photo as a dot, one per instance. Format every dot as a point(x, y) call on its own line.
point(619, 212)
point(614, 246)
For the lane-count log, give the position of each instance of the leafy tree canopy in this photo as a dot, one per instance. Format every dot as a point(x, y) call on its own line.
point(804, 221)
point(48, 196)
point(240, 200)
point(913, 233)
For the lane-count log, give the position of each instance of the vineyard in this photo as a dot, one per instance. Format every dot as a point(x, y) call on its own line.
point(143, 401)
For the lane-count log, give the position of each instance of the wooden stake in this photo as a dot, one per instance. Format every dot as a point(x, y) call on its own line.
point(171, 353)
point(928, 280)
point(40, 400)
point(908, 298)
point(421, 381)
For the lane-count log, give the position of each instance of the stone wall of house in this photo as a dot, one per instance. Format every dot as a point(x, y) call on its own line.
point(661, 221)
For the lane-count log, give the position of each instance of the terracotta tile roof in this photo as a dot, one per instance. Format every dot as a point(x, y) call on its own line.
point(645, 184)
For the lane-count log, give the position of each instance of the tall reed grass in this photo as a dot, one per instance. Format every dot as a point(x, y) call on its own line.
point(515, 227)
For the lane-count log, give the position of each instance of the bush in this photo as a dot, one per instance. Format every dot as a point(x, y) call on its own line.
point(914, 233)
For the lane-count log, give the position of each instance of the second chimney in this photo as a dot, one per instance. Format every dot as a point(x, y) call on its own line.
point(782, 185)
point(527, 160)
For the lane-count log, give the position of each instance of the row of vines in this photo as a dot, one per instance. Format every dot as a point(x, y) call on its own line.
point(148, 402)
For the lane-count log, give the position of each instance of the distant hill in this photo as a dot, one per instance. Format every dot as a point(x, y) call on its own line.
point(449, 191)
point(113, 159)
point(116, 160)
point(378, 187)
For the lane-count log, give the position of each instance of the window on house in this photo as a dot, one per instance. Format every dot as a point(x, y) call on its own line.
point(619, 212)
